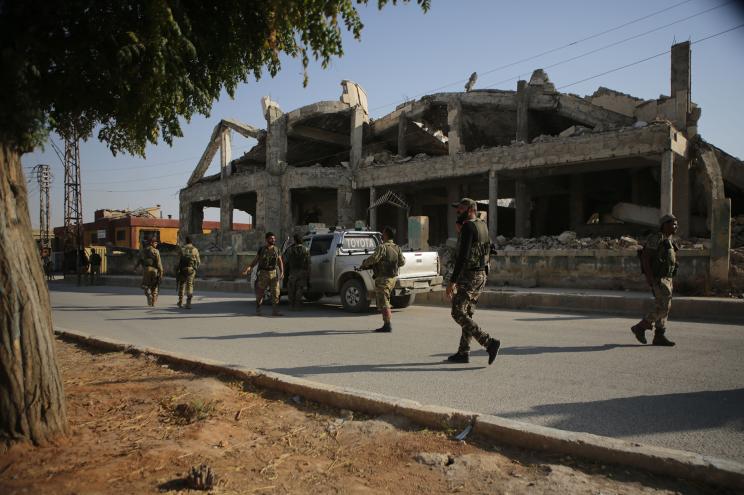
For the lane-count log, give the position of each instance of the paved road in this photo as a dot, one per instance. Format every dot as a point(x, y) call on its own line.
point(568, 371)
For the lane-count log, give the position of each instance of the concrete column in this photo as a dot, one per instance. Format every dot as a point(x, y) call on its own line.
point(402, 127)
point(666, 179)
point(226, 213)
point(681, 195)
point(358, 118)
point(576, 202)
point(454, 121)
point(345, 210)
point(493, 197)
point(373, 210)
point(523, 111)
point(225, 152)
point(276, 142)
point(720, 244)
point(453, 194)
point(523, 204)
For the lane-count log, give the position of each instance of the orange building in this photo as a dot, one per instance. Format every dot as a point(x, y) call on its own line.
point(127, 229)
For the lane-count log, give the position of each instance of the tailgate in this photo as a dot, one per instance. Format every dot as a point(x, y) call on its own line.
point(419, 265)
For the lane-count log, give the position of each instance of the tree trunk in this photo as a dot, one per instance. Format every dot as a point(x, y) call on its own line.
point(32, 404)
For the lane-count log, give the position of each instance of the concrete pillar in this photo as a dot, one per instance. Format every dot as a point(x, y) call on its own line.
point(358, 118)
point(454, 121)
point(276, 141)
point(493, 197)
point(453, 195)
point(720, 244)
point(681, 194)
point(225, 153)
point(576, 202)
point(523, 206)
point(344, 205)
point(372, 210)
point(666, 179)
point(226, 213)
point(523, 111)
point(402, 127)
point(681, 74)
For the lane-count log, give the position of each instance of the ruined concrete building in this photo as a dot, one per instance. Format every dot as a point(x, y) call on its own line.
point(540, 162)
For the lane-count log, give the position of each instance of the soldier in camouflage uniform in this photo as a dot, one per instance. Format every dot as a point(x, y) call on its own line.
point(385, 263)
point(468, 279)
point(297, 259)
point(188, 263)
point(659, 264)
point(152, 271)
point(268, 260)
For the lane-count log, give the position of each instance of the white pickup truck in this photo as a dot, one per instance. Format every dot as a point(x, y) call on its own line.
point(334, 255)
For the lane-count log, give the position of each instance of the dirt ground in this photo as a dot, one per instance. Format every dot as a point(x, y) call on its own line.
point(138, 426)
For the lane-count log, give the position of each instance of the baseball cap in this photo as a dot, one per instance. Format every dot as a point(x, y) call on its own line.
point(465, 201)
point(667, 218)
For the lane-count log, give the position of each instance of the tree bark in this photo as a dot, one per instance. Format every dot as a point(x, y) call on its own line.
point(32, 405)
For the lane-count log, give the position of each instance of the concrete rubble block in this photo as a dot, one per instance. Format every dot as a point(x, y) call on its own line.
point(637, 214)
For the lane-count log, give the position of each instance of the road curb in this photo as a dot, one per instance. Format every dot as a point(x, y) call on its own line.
point(658, 460)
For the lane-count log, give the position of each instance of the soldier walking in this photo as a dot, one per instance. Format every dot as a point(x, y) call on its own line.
point(268, 259)
point(298, 264)
point(468, 280)
point(188, 263)
point(385, 263)
point(95, 267)
point(152, 271)
point(659, 265)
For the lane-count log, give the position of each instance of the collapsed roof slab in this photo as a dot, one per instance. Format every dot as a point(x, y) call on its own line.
point(215, 141)
point(648, 141)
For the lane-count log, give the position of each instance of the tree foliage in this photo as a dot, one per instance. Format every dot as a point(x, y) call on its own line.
point(131, 68)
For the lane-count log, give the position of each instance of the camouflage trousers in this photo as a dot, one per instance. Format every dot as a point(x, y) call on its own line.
point(186, 283)
point(267, 281)
point(662, 290)
point(150, 280)
point(296, 287)
point(469, 286)
point(383, 289)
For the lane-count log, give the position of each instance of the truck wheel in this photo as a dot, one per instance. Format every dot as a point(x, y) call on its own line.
point(400, 302)
point(313, 296)
point(354, 296)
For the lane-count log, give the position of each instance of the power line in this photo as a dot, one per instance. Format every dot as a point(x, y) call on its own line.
point(546, 52)
point(648, 58)
point(636, 36)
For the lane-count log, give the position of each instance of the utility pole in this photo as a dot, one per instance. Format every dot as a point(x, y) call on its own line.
point(43, 176)
point(73, 237)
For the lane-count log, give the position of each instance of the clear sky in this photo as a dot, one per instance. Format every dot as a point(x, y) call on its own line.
point(404, 53)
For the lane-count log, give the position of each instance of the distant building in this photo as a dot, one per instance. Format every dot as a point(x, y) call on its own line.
point(128, 228)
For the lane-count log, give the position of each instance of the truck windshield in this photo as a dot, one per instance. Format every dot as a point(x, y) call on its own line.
point(359, 243)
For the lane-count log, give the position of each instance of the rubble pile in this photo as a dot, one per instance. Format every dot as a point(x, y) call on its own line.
point(569, 240)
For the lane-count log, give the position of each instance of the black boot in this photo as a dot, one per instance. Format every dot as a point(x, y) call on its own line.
point(493, 349)
point(459, 357)
point(385, 328)
point(639, 330)
point(660, 339)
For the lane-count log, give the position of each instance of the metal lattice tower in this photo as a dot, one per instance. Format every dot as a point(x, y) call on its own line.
point(43, 176)
point(73, 239)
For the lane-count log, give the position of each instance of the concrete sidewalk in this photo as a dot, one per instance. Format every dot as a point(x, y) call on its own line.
point(630, 303)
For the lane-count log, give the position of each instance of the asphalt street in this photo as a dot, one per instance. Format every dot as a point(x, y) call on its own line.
point(569, 371)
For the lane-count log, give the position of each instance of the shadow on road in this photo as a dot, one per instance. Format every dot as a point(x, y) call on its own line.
point(260, 335)
point(648, 414)
point(530, 350)
point(329, 369)
point(564, 318)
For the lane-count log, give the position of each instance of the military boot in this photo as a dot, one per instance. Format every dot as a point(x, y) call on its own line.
point(639, 330)
point(180, 301)
point(385, 328)
point(660, 339)
point(258, 309)
point(459, 357)
point(188, 302)
point(154, 299)
point(275, 310)
point(493, 349)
